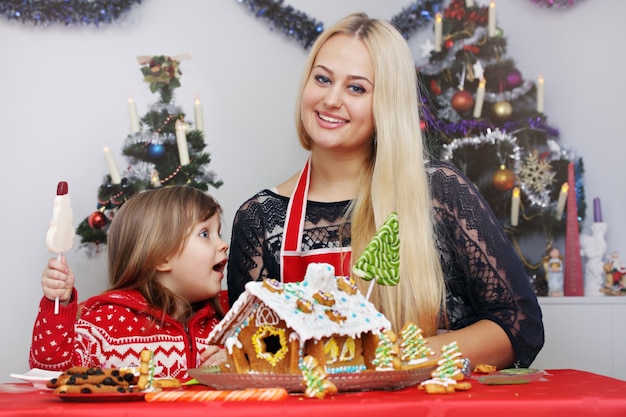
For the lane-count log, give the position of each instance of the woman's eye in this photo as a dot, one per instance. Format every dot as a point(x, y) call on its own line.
point(322, 79)
point(356, 89)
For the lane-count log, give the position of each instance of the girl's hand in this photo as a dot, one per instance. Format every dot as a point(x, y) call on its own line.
point(212, 356)
point(57, 280)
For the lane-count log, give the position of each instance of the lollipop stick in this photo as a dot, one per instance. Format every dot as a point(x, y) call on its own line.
point(369, 290)
point(56, 299)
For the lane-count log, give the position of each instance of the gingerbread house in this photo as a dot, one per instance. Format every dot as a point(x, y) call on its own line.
point(274, 325)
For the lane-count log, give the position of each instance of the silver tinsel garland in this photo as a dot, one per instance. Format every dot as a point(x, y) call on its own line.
point(68, 12)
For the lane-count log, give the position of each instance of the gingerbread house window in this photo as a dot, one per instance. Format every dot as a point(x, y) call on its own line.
point(270, 344)
point(331, 350)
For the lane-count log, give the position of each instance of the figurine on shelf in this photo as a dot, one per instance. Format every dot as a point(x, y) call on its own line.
point(615, 275)
point(554, 271)
point(593, 247)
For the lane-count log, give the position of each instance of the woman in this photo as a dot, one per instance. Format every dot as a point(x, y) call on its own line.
point(357, 115)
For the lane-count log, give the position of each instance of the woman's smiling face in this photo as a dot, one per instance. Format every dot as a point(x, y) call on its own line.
point(337, 102)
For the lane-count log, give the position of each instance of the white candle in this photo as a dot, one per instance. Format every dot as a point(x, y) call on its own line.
point(438, 32)
point(560, 204)
point(492, 19)
point(480, 98)
point(132, 113)
point(469, 3)
point(199, 118)
point(181, 141)
point(515, 207)
point(540, 94)
point(116, 178)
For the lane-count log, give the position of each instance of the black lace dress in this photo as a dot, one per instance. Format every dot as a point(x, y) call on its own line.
point(484, 276)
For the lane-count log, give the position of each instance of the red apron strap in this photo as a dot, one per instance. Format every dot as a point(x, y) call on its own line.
point(294, 261)
point(294, 221)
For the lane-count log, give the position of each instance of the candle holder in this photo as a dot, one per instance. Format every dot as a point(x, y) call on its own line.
point(593, 247)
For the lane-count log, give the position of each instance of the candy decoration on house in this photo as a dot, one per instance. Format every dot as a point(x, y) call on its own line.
point(380, 260)
point(503, 141)
point(162, 148)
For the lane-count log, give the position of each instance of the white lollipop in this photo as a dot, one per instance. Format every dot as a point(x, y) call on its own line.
point(60, 236)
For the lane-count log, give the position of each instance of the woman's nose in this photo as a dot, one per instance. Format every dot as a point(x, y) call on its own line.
point(333, 97)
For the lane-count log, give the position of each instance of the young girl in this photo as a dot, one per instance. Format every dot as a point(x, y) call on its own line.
point(166, 262)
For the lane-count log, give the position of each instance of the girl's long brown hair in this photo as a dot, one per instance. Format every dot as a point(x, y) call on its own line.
point(149, 228)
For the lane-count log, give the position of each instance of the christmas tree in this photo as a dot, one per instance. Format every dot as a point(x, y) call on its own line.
point(483, 116)
point(161, 149)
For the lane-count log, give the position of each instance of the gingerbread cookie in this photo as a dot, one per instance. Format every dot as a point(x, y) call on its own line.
point(324, 298)
point(443, 386)
point(304, 305)
point(335, 315)
point(92, 389)
point(93, 376)
point(483, 368)
point(347, 285)
point(273, 285)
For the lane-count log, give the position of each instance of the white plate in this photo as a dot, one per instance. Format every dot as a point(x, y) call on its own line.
point(37, 377)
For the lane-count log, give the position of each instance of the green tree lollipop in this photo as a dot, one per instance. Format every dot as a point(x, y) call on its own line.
point(380, 260)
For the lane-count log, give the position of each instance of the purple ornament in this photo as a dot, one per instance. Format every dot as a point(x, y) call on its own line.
point(513, 79)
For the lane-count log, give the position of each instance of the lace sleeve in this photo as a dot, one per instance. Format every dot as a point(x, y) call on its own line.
point(255, 243)
point(485, 278)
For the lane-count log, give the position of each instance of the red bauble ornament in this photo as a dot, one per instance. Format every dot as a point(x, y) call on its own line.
point(449, 43)
point(97, 220)
point(462, 101)
point(503, 179)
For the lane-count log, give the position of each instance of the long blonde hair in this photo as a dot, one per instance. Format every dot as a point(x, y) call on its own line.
point(394, 178)
point(148, 229)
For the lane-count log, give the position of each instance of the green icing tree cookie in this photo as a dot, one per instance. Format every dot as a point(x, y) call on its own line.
point(381, 258)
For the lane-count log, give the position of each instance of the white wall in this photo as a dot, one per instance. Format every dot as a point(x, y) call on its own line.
point(64, 92)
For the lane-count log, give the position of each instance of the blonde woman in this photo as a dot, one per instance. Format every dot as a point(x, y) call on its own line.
point(358, 116)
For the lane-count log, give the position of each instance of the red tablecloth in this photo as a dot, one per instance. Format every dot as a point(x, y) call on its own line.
point(559, 393)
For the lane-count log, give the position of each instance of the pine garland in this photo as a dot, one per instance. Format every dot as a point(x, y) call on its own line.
point(68, 12)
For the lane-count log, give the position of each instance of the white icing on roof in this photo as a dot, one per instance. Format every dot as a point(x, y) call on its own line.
point(360, 315)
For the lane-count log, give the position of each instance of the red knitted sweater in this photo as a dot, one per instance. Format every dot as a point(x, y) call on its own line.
point(112, 330)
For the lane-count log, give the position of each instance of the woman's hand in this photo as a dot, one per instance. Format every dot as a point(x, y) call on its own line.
point(57, 280)
point(213, 355)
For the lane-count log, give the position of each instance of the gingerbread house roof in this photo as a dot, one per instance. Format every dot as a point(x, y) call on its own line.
point(350, 315)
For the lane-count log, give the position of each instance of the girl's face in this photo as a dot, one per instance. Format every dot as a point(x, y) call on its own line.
point(196, 273)
point(336, 108)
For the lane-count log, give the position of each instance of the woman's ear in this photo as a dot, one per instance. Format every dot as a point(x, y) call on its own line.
point(165, 266)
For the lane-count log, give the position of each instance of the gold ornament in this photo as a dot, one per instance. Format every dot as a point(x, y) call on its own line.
point(503, 179)
point(503, 109)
